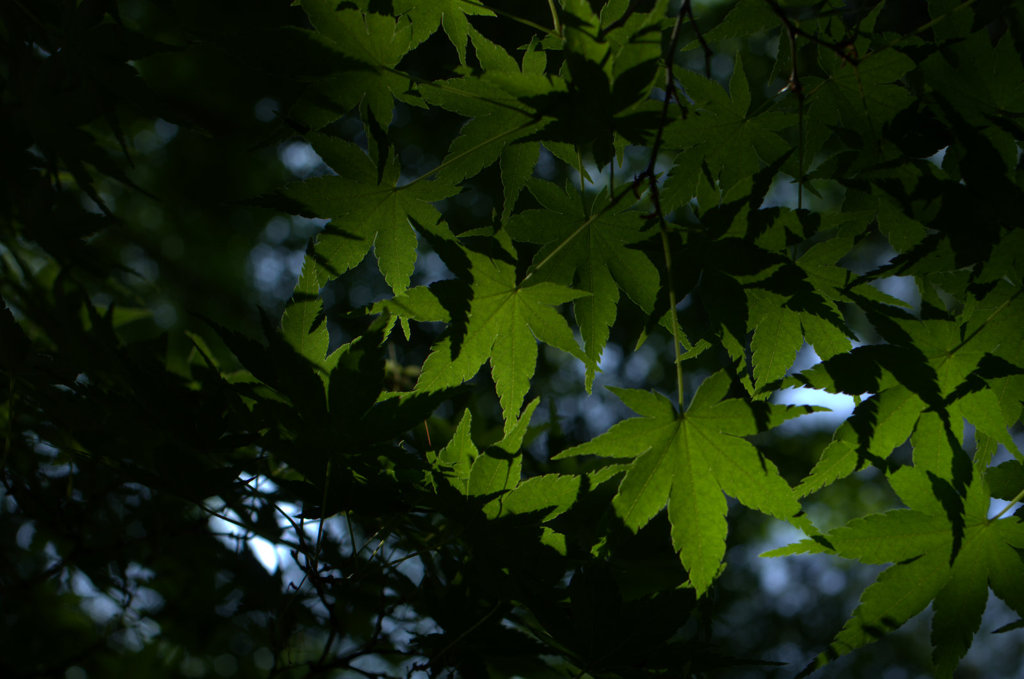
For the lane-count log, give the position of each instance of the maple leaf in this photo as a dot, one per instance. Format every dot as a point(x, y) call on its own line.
point(825, 330)
point(691, 461)
point(746, 17)
point(919, 542)
point(776, 336)
point(879, 425)
point(862, 94)
point(452, 15)
point(378, 43)
point(303, 324)
point(934, 364)
point(732, 142)
point(366, 212)
point(497, 471)
point(587, 249)
point(505, 321)
point(498, 105)
point(494, 471)
point(517, 163)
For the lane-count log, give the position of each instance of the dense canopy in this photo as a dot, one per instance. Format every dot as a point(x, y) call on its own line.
point(445, 338)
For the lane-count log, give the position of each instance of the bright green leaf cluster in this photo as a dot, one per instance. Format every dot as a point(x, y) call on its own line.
point(680, 174)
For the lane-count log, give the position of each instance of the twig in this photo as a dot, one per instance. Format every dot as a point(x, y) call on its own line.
point(708, 53)
point(839, 48)
point(323, 508)
point(651, 176)
point(797, 87)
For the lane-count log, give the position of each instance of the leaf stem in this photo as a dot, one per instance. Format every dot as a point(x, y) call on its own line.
point(687, 8)
point(995, 312)
point(672, 310)
point(462, 154)
point(1015, 500)
point(508, 15)
point(936, 20)
point(323, 511)
point(445, 87)
point(554, 18)
point(590, 220)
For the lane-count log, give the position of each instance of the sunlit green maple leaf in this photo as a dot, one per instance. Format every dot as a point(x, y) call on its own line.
point(496, 102)
point(956, 350)
point(691, 461)
point(506, 319)
point(925, 384)
point(303, 324)
point(365, 212)
point(986, 411)
point(456, 459)
point(777, 335)
point(498, 469)
point(588, 248)
point(878, 426)
point(517, 163)
point(919, 542)
point(554, 493)
point(825, 329)
point(377, 41)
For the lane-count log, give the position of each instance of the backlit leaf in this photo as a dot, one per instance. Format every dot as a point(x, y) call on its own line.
point(689, 462)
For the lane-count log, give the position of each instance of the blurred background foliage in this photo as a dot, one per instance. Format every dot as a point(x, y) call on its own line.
point(142, 535)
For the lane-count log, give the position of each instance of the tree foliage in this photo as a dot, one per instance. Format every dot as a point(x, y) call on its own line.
point(710, 192)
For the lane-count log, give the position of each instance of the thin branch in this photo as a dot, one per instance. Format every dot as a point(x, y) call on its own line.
point(670, 89)
point(672, 305)
point(652, 179)
point(248, 528)
point(839, 48)
point(462, 635)
point(670, 93)
point(708, 53)
point(797, 87)
point(323, 508)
